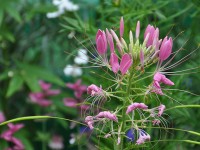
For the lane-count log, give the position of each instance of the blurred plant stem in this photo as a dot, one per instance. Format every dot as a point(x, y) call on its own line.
point(44, 131)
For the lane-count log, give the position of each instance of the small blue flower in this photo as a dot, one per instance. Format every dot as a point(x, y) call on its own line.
point(131, 135)
point(84, 129)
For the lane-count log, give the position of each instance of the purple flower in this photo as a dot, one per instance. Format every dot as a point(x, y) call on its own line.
point(84, 129)
point(130, 135)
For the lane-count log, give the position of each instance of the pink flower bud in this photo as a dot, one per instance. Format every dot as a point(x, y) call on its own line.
point(108, 115)
point(161, 109)
point(135, 106)
point(94, 90)
point(125, 63)
point(137, 33)
point(142, 58)
point(153, 35)
point(166, 48)
point(121, 27)
point(114, 62)
point(110, 41)
point(101, 42)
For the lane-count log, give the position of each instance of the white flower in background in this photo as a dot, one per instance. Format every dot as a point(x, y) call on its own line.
point(62, 5)
point(74, 71)
point(56, 143)
point(82, 57)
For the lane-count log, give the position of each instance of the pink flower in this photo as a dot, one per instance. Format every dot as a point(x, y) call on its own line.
point(160, 78)
point(114, 62)
point(143, 136)
point(8, 135)
point(135, 106)
point(78, 88)
point(2, 117)
point(56, 142)
point(89, 121)
point(94, 90)
point(166, 48)
point(125, 63)
point(108, 115)
point(39, 98)
point(70, 102)
point(101, 42)
point(161, 109)
point(42, 98)
point(153, 35)
point(121, 27)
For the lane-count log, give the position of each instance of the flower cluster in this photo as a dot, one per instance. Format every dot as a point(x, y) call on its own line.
point(42, 98)
point(8, 136)
point(128, 62)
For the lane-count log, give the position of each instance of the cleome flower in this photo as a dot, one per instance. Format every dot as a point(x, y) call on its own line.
point(90, 120)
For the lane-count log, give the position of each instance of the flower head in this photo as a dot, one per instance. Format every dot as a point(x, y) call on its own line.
point(135, 106)
point(143, 136)
point(94, 90)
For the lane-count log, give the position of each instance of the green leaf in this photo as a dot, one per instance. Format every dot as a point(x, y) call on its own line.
point(1, 16)
point(14, 85)
point(39, 73)
point(13, 12)
point(31, 81)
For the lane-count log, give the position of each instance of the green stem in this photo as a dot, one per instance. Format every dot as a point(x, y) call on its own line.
point(124, 109)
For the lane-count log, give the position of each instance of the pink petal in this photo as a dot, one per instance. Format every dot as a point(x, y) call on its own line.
point(114, 62)
point(126, 63)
